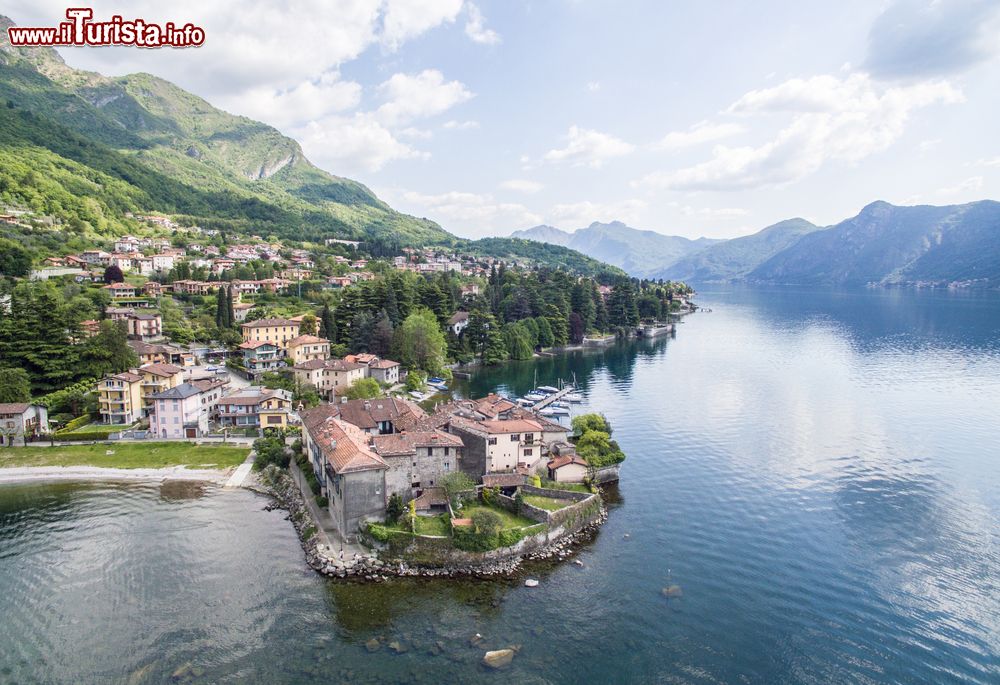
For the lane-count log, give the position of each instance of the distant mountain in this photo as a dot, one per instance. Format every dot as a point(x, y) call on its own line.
point(733, 259)
point(640, 253)
point(886, 244)
point(544, 234)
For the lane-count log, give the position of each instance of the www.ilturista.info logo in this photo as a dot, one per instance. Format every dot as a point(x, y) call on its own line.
point(81, 30)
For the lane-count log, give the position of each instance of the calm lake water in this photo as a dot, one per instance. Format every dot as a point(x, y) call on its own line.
point(818, 472)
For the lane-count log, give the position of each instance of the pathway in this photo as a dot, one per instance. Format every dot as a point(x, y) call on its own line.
point(327, 530)
point(241, 472)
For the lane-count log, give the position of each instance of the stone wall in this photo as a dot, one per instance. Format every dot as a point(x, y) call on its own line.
point(608, 474)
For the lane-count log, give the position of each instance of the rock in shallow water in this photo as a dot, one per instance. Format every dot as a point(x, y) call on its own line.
point(531, 582)
point(672, 591)
point(498, 658)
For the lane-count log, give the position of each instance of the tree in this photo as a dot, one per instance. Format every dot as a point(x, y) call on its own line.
point(270, 451)
point(363, 389)
point(221, 309)
point(308, 325)
point(622, 308)
point(394, 509)
point(230, 311)
point(382, 334)
point(487, 523)
point(456, 482)
point(15, 261)
point(327, 324)
point(576, 328)
point(108, 351)
point(545, 336)
point(420, 344)
point(113, 274)
point(15, 386)
point(590, 422)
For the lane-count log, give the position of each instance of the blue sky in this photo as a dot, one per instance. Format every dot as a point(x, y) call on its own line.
point(697, 119)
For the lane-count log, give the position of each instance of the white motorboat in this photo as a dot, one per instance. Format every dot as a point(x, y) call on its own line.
point(546, 389)
point(573, 397)
point(534, 397)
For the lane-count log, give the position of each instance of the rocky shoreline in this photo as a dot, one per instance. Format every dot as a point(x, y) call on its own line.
point(369, 568)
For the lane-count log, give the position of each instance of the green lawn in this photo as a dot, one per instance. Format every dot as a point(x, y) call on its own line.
point(426, 525)
point(127, 455)
point(510, 520)
point(106, 429)
point(547, 503)
point(573, 487)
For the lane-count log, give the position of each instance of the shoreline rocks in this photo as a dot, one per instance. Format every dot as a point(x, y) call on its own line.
point(368, 567)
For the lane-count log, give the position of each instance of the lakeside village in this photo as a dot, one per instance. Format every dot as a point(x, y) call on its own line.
point(328, 358)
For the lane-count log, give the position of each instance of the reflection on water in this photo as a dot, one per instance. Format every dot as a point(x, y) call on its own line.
point(817, 472)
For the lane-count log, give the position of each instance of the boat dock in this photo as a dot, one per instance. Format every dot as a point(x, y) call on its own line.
point(549, 399)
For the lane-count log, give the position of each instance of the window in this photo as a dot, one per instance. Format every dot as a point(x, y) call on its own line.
point(492, 441)
point(447, 466)
point(446, 451)
point(516, 437)
point(528, 452)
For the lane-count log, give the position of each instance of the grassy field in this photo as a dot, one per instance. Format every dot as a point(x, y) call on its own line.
point(547, 503)
point(510, 520)
point(426, 525)
point(151, 455)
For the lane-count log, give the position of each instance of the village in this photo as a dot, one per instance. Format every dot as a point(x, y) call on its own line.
point(379, 447)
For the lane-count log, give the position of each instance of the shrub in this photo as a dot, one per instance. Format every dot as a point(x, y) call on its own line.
point(509, 537)
point(487, 523)
point(270, 450)
point(322, 502)
point(78, 422)
point(394, 509)
point(518, 501)
point(490, 495)
point(456, 482)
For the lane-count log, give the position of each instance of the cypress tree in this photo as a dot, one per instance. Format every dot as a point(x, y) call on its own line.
point(230, 313)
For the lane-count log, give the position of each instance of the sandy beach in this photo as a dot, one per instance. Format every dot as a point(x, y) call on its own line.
point(23, 474)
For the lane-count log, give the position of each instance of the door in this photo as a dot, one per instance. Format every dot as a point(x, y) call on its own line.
point(191, 432)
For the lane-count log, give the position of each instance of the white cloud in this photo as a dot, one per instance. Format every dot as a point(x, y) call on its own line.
point(593, 86)
point(522, 185)
point(832, 119)
point(473, 213)
point(405, 19)
point(309, 101)
point(353, 144)
point(475, 27)
point(702, 132)
point(588, 148)
point(967, 186)
point(460, 125)
point(416, 96)
point(578, 214)
point(988, 162)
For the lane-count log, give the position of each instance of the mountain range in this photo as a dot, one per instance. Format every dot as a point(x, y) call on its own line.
point(90, 149)
point(640, 253)
point(884, 244)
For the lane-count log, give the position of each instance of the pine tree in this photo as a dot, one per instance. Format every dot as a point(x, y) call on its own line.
point(220, 308)
point(230, 311)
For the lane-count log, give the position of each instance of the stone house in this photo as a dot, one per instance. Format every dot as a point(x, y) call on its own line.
point(417, 460)
point(22, 421)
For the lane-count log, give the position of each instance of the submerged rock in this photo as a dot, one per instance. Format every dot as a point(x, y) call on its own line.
point(531, 582)
point(475, 640)
point(181, 671)
point(498, 658)
point(373, 645)
point(397, 646)
point(672, 591)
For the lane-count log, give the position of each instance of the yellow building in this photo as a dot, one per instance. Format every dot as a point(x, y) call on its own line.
point(157, 378)
point(119, 398)
point(305, 348)
point(275, 331)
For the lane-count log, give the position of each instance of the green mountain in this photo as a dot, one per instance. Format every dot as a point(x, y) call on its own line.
point(144, 131)
point(885, 244)
point(89, 149)
point(640, 253)
point(734, 259)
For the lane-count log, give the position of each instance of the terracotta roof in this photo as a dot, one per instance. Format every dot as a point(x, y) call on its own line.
point(511, 426)
point(396, 444)
point(161, 369)
point(503, 480)
point(126, 376)
point(458, 317)
point(362, 358)
point(254, 344)
point(248, 398)
point(310, 365)
point(343, 445)
point(14, 407)
point(369, 413)
point(384, 364)
point(306, 340)
point(261, 323)
point(493, 405)
point(565, 460)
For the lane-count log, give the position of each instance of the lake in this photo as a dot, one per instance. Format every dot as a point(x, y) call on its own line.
point(818, 472)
